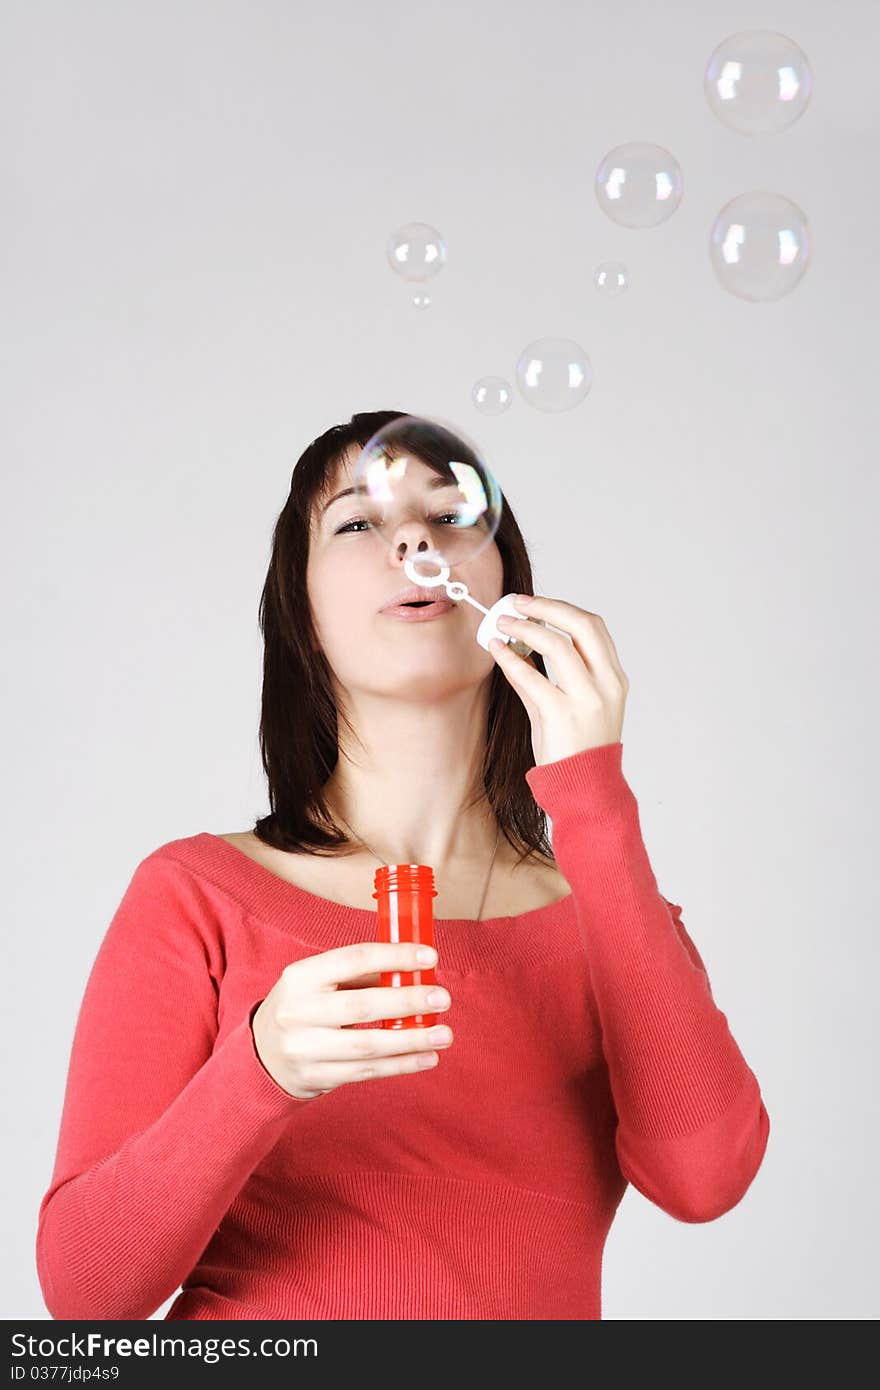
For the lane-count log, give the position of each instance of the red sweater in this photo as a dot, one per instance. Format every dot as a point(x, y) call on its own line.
point(587, 1053)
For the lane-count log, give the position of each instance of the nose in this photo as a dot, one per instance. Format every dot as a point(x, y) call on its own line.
point(410, 539)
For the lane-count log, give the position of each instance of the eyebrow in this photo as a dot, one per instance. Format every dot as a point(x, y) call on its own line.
point(437, 482)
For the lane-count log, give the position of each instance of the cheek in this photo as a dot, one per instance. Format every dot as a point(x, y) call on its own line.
point(485, 576)
point(331, 605)
point(342, 614)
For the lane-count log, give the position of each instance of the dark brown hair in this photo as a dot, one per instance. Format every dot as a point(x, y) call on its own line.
point(298, 721)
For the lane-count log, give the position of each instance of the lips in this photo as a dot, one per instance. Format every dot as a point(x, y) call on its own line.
point(411, 614)
point(414, 593)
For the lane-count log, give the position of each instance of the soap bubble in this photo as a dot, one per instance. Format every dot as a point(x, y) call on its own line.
point(553, 374)
point(421, 486)
point(760, 245)
point(416, 252)
point(492, 395)
point(611, 278)
point(758, 83)
point(421, 300)
point(639, 185)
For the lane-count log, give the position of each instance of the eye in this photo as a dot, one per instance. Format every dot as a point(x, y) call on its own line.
point(361, 521)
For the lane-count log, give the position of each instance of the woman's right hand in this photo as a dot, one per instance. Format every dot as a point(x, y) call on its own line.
point(300, 1027)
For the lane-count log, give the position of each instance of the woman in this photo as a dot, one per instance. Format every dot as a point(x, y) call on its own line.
point(237, 1120)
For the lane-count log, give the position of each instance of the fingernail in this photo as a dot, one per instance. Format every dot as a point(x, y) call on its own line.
point(426, 955)
point(523, 600)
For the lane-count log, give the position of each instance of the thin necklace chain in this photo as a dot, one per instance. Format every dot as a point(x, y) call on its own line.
point(384, 861)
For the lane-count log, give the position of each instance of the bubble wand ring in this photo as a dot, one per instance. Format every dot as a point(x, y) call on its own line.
point(459, 592)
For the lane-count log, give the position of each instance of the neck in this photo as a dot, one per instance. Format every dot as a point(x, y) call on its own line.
point(412, 789)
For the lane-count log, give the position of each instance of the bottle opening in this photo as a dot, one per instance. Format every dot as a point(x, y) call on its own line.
point(405, 878)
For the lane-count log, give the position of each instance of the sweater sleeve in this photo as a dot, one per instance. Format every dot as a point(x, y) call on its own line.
point(160, 1127)
point(692, 1126)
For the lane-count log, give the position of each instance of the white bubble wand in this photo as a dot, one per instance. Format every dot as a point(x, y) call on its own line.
point(458, 592)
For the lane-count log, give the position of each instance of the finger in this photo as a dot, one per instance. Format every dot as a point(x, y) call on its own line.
point(315, 1045)
point(328, 1075)
point(347, 1008)
point(557, 647)
point(526, 679)
point(327, 969)
point(424, 974)
point(587, 630)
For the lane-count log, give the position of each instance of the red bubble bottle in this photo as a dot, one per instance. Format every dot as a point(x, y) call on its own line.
point(404, 896)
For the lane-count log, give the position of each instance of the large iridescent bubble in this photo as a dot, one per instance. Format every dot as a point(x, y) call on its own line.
point(639, 185)
point(422, 486)
point(758, 83)
point(760, 246)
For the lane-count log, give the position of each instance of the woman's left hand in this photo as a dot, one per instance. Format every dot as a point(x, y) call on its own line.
point(585, 710)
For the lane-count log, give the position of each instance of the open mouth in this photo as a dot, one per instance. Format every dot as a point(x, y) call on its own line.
point(420, 610)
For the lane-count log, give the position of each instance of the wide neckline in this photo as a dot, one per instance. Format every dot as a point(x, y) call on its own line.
point(268, 884)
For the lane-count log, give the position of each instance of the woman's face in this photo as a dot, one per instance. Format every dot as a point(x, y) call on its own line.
point(353, 572)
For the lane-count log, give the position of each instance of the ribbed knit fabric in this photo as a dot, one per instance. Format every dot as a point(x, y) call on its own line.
point(588, 1053)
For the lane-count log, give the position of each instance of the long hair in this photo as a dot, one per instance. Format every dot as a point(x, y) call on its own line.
point(299, 716)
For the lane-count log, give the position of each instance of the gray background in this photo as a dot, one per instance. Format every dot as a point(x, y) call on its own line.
point(196, 199)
